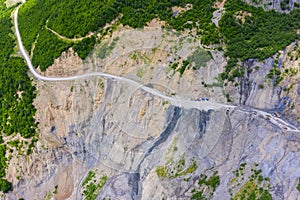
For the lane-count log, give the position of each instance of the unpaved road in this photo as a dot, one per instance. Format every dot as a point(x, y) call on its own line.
point(68, 39)
point(177, 101)
point(174, 100)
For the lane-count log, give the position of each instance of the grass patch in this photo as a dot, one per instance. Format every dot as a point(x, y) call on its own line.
point(161, 172)
point(106, 48)
point(176, 169)
point(141, 72)
point(199, 58)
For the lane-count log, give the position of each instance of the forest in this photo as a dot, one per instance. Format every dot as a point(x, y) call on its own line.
point(34, 15)
point(16, 96)
point(47, 48)
point(260, 35)
point(74, 19)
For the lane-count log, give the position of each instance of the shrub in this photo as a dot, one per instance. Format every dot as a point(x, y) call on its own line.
point(261, 86)
point(5, 186)
point(161, 171)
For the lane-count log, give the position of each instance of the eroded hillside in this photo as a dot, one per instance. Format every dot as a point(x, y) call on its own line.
point(105, 138)
point(185, 116)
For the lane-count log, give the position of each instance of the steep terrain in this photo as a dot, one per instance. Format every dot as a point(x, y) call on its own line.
point(132, 134)
point(138, 146)
point(106, 138)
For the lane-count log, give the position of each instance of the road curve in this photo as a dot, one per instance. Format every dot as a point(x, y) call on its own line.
point(177, 101)
point(174, 100)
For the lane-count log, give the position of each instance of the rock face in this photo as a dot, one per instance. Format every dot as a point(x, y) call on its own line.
point(278, 5)
point(128, 148)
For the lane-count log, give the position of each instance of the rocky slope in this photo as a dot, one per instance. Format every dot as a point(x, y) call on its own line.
point(101, 138)
point(130, 135)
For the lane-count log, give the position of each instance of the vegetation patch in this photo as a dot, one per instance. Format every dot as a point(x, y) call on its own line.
point(206, 186)
point(16, 97)
point(176, 169)
point(89, 177)
point(138, 56)
point(92, 185)
point(173, 66)
point(261, 35)
point(285, 5)
point(165, 103)
point(212, 182)
point(5, 186)
point(49, 195)
point(106, 48)
point(254, 187)
point(77, 19)
point(141, 71)
point(84, 47)
point(274, 74)
point(251, 191)
point(161, 171)
point(184, 66)
point(199, 58)
point(171, 151)
point(48, 48)
point(179, 66)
